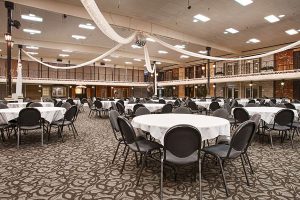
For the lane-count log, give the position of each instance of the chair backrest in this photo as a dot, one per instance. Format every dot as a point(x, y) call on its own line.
point(222, 113)
point(71, 113)
point(272, 104)
point(28, 104)
point(162, 101)
point(284, 117)
point(214, 106)
point(182, 110)
point(142, 111)
point(3, 106)
point(126, 130)
point(290, 106)
point(120, 108)
point(262, 102)
point(98, 104)
point(113, 118)
point(66, 105)
point(273, 101)
point(70, 101)
point(182, 141)
point(113, 105)
point(136, 106)
point(280, 105)
point(167, 108)
point(177, 102)
point(234, 103)
point(59, 104)
point(227, 107)
point(256, 119)
point(242, 137)
point(29, 117)
point(121, 101)
point(192, 105)
point(240, 115)
point(54, 101)
point(252, 105)
point(35, 104)
point(251, 101)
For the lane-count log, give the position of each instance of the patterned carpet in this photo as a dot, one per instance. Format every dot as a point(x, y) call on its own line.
point(81, 169)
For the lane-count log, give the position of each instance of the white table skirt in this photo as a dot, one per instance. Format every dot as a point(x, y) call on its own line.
point(152, 107)
point(50, 114)
point(157, 124)
point(206, 104)
point(267, 113)
point(23, 104)
point(107, 104)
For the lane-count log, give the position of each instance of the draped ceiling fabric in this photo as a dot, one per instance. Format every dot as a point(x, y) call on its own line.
point(19, 77)
point(96, 15)
point(220, 58)
point(79, 65)
point(147, 60)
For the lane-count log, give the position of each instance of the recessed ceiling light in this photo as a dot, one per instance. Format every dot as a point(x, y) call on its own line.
point(281, 16)
point(0, 49)
point(162, 52)
point(195, 20)
point(106, 59)
point(32, 53)
point(63, 55)
point(128, 63)
point(225, 32)
point(253, 40)
point(31, 47)
point(32, 17)
point(184, 56)
point(244, 2)
point(87, 26)
point(180, 46)
point(203, 52)
point(66, 50)
point(232, 30)
point(137, 59)
point(150, 40)
point(292, 32)
point(158, 63)
point(201, 18)
point(272, 18)
point(79, 37)
point(32, 31)
point(135, 46)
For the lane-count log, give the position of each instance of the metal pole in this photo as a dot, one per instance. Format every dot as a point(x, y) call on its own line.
point(208, 49)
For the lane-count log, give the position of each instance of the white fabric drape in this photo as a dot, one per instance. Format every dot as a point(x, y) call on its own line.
point(19, 77)
point(220, 58)
point(76, 66)
point(147, 60)
point(96, 15)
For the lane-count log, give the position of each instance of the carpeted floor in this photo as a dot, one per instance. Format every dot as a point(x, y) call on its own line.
point(81, 169)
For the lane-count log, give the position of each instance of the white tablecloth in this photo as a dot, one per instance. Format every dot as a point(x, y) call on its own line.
point(151, 106)
point(243, 102)
point(167, 100)
point(50, 114)
point(157, 124)
point(107, 104)
point(206, 104)
point(23, 104)
point(297, 106)
point(267, 113)
point(76, 101)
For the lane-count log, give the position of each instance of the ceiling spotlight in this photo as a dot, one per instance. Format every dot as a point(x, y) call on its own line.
point(136, 46)
point(32, 17)
point(128, 63)
point(106, 59)
point(78, 37)
point(203, 52)
point(150, 40)
point(184, 56)
point(244, 2)
point(32, 53)
point(272, 18)
point(231, 30)
point(158, 63)
point(31, 47)
point(66, 50)
point(292, 32)
point(253, 40)
point(201, 18)
point(189, 6)
point(281, 16)
point(162, 52)
point(87, 26)
point(32, 31)
point(137, 59)
point(180, 46)
point(63, 55)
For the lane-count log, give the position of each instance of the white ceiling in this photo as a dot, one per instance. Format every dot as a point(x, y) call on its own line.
point(172, 14)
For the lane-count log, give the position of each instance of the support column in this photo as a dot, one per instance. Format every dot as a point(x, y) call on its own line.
point(208, 49)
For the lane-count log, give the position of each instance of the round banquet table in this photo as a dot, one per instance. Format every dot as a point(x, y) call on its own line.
point(157, 124)
point(107, 104)
point(23, 104)
point(50, 114)
point(206, 104)
point(76, 101)
point(267, 113)
point(152, 107)
point(297, 106)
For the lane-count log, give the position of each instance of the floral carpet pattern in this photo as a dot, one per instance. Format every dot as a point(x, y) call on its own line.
point(81, 168)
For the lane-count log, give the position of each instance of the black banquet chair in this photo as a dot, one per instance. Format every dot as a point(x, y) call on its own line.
point(29, 119)
point(143, 147)
point(193, 107)
point(167, 108)
point(162, 101)
point(240, 115)
point(213, 106)
point(35, 105)
point(182, 145)
point(182, 110)
point(66, 105)
point(68, 120)
point(238, 145)
point(142, 111)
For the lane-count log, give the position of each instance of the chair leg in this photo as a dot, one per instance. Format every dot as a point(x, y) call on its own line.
point(123, 166)
point(224, 180)
point(18, 138)
point(247, 157)
point(245, 170)
point(292, 138)
point(271, 140)
point(200, 174)
point(116, 152)
point(141, 169)
point(42, 137)
point(161, 176)
point(136, 159)
point(75, 129)
point(49, 131)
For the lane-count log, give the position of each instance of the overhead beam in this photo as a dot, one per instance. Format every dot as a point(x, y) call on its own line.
point(122, 21)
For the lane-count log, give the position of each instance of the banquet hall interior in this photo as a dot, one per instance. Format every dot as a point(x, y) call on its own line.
point(140, 99)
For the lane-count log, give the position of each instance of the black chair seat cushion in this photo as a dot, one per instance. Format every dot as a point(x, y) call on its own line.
point(137, 138)
point(145, 146)
point(221, 150)
point(278, 127)
point(30, 127)
point(181, 161)
point(61, 123)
